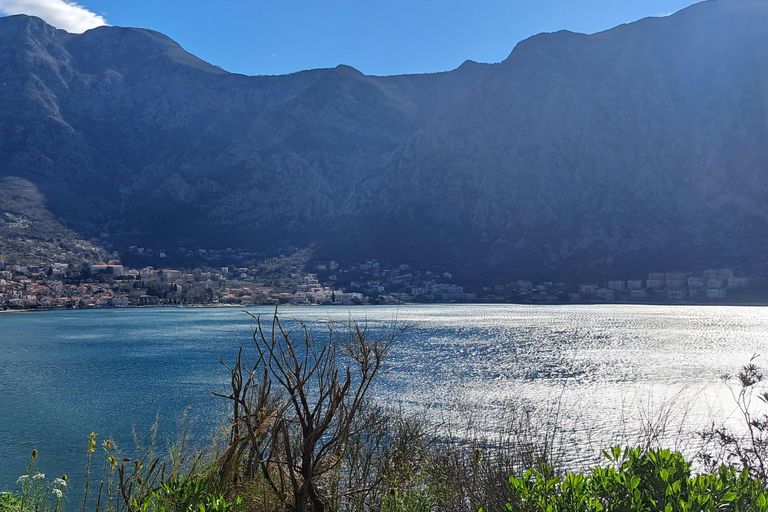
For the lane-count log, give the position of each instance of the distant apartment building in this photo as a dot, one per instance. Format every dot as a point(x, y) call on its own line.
point(675, 293)
point(605, 294)
point(714, 283)
point(634, 284)
point(637, 293)
point(675, 280)
point(617, 285)
point(725, 274)
point(587, 288)
point(737, 282)
point(676, 283)
point(716, 293)
point(136, 293)
point(172, 275)
point(696, 282)
point(655, 283)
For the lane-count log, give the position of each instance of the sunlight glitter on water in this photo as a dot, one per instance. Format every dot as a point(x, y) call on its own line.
point(604, 373)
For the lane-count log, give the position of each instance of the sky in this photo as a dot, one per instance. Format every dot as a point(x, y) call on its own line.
point(377, 37)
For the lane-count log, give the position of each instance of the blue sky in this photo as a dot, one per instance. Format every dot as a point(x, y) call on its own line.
point(375, 36)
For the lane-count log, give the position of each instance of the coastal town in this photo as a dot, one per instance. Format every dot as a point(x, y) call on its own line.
point(295, 280)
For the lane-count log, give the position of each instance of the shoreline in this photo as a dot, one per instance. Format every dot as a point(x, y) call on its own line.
point(245, 306)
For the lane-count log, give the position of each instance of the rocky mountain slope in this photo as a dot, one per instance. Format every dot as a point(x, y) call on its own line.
point(643, 147)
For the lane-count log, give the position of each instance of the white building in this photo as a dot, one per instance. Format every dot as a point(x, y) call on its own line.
point(737, 282)
point(605, 294)
point(714, 283)
point(676, 294)
point(716, 293)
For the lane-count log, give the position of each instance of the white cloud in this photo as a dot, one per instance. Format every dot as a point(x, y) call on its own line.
point(59, 13)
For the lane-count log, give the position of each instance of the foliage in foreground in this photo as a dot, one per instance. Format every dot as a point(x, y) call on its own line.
point(37, 493)
point(637, 481)
point(634, 480)
point(186, 494)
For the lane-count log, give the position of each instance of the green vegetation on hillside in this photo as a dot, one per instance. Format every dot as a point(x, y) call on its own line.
point(30, 234)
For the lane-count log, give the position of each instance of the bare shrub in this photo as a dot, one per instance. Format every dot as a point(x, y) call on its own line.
point(747, 449)
point(295, 408)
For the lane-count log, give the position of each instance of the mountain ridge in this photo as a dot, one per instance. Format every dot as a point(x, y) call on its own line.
point(644, 146)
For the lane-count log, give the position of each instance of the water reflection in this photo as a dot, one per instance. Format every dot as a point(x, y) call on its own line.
point(607, 372)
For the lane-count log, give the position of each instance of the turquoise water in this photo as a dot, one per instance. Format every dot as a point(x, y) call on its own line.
point(606, 369)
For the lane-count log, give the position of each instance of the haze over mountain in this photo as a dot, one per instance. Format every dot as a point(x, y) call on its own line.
point(643, 147)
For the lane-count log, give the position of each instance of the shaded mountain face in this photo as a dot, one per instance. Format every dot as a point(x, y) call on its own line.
point(643, 147)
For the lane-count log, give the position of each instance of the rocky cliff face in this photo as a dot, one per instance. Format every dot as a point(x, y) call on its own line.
point(643, 146)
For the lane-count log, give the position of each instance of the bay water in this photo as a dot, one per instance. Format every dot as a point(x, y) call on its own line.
point(597, 374)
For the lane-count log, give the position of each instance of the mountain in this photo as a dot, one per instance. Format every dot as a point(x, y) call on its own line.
point(639, 148)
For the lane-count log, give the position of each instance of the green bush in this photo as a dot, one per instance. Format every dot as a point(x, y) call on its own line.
point(186, 494)
point(638, 481)
point(9, 502)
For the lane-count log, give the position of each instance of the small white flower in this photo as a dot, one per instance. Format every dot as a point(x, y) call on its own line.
point(57, 493)
point(22, 478)
point(38, 476)
point(60, 482)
